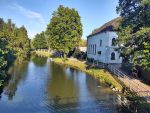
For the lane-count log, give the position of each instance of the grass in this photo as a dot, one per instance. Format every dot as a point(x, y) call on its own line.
point(42, 53)
point(101, 74)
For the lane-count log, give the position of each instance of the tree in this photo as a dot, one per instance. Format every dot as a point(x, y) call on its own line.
point(83, 43)
point(135, 13)
point(24, 42)
point(134, 31)
point(64, 30)
point(13, 42)
point(40, 42)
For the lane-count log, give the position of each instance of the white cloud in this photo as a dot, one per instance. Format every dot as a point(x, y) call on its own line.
point(28, 13)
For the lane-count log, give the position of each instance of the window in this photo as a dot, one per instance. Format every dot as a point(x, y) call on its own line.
point(100, 43)
point(113, 42)
point(112, 56)
point(89, 49)
point(99, 52)
point(95, 49)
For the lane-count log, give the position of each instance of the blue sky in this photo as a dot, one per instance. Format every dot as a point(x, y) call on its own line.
point(36, 14)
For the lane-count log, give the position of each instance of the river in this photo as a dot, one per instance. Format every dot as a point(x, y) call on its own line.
point(41, 86)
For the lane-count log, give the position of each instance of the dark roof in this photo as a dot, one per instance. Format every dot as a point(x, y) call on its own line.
point(109, 26)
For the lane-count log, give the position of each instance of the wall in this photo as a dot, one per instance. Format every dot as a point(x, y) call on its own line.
point(96, 40)
point(106, 48)
point(112, 49)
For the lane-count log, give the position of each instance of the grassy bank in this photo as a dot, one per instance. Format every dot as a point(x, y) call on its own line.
point(101, 74)
point(42, 53)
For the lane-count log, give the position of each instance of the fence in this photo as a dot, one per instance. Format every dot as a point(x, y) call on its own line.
point(133, 85)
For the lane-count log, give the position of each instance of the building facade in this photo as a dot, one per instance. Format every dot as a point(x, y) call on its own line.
point(101, 44)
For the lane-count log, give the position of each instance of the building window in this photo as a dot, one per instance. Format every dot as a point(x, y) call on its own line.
point(112, 56)
point(100, 43)
point(89, 49)
point(99, 52)
point(95, 49)
point(113, 42)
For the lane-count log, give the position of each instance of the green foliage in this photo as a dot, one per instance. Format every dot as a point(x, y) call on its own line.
point(40, 41)
point(13, 41)
point(3, 53)
point(16, 38)
point(141, 54)
point(134, 31)
point(135, 13)
point(65, 30)
point(83, 43)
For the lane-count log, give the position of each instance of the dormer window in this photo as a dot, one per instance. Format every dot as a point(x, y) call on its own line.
point(113, 42)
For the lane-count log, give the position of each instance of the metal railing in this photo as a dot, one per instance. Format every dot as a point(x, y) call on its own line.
point(132, 85)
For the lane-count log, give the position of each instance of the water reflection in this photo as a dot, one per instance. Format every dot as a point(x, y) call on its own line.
point(41, 86)
point(59, 85)
point(38, 61)
point(17, 73)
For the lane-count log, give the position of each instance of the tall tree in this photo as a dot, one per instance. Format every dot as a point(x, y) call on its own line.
point(13, 42)
point(135, 13)
point(64, 30)
point(40, 42)
point(134, 31)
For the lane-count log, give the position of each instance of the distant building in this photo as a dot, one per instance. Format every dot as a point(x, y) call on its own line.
point(83, 49)
point(101, 44)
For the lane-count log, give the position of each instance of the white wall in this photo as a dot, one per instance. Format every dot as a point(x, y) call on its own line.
point(106, 48)
point(83, 49)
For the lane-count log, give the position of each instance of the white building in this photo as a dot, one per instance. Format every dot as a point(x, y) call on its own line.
point(101, 43)
point(83, 49)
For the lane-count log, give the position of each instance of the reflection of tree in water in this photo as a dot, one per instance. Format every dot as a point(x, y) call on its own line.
point(39, 61)
point(17, 72)
point(59, 87)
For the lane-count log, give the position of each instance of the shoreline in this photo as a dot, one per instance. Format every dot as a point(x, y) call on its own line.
point(106, 77)
point(101, 74)
point(42, 53)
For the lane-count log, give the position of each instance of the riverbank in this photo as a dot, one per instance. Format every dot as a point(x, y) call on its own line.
point(101, 74)
point(42, 53)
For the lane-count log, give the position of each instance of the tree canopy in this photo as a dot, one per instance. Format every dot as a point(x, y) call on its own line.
point(64, 30)
point(134, 31)
point(83, 43)
point(13, 42)
point(40, 41)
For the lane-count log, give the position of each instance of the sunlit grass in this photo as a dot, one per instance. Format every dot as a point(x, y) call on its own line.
point(42, 53)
